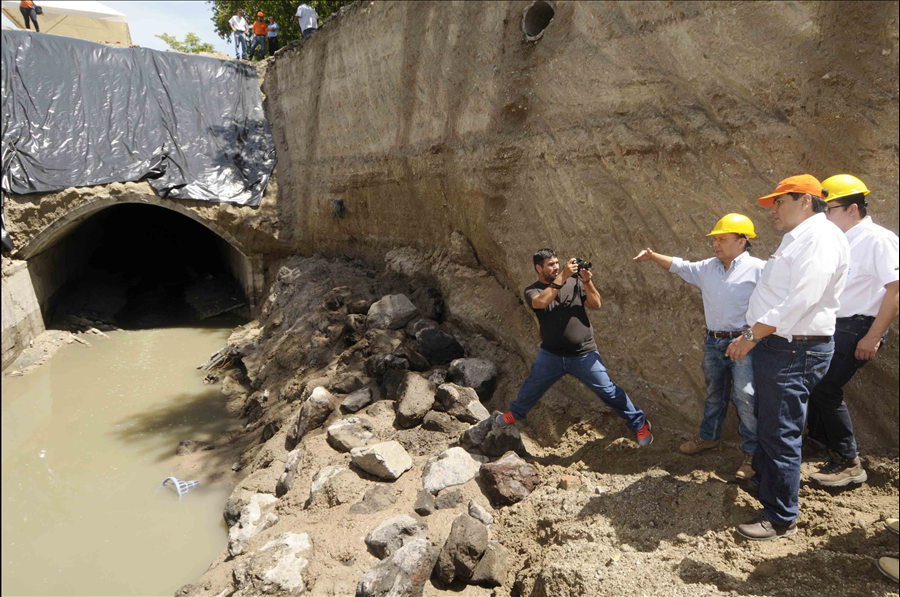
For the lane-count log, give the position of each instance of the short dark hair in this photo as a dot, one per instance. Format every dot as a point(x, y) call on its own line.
point(818, 204)
point(747, 245)
point(543, 254)
point(860, 200)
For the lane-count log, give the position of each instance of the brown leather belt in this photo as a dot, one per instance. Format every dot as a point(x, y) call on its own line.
point(712, 334)
point(818, 338)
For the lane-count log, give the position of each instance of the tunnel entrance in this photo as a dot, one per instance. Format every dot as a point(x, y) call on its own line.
point(139, 266)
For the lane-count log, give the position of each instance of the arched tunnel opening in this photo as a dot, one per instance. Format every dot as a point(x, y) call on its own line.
point(536, 18)
point(139, 266)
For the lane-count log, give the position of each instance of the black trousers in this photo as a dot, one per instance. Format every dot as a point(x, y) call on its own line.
point(828, 419)
point(273, 45)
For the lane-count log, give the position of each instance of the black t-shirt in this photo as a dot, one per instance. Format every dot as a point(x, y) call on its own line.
point(565, 327)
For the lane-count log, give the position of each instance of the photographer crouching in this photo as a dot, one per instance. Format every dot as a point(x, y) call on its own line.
point(559, 299)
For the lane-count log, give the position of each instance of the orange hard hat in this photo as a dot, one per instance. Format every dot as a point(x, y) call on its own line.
point(803, 183)
point(260, 14)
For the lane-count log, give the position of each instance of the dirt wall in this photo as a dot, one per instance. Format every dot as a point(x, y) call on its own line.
point(626, 125)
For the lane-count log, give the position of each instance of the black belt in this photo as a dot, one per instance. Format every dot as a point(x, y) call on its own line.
point(805, 338)
point(868, 318)
point(720, 335)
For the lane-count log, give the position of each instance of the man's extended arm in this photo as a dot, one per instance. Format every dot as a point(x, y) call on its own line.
point(548, 294)
point(890, 306)
point(649, 255)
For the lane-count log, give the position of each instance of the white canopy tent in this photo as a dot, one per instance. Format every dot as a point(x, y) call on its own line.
point(85, 20)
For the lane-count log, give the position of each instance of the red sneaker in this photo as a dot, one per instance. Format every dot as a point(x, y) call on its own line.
point(505, 419)
point(644, 437)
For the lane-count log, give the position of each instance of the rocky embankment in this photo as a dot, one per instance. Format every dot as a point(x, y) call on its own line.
point(372, 466)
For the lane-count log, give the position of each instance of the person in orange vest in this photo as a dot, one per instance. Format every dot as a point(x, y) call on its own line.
point(726, 282)
point(260, 29)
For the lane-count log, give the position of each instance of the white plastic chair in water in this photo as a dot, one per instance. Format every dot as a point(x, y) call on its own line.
point(182, 487)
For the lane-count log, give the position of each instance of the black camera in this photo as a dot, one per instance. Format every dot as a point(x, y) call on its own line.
point(582, 264)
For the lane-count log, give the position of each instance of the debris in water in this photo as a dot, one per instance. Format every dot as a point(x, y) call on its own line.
point(182, 487)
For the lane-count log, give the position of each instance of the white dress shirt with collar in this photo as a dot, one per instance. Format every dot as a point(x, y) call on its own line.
point(307, 17)
point(873, 265)
point(239, 23)
point(798, 293)
point(726, 294)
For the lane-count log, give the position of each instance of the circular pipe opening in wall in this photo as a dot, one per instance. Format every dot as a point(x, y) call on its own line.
point(536, 18)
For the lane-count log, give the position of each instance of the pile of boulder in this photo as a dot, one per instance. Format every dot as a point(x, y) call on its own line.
point(413, 374)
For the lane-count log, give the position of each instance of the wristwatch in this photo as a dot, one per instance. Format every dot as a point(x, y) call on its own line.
point(748, 335)
point(556, 286)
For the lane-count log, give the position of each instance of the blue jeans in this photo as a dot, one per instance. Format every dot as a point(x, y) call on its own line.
point(240, 45)
point(258, 41)
point(548, 368)
point(786, 373)
point(307, 33)
point(728, 380)
point(29, 14)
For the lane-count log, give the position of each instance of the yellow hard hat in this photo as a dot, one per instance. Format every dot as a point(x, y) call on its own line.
point(842, 185)
point(734, 224)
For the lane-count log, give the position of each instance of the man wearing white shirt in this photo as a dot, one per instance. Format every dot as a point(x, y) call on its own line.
point(307, 19)
point(868, 306)
point(239, 27)
point(726, 282)
point(792, 315)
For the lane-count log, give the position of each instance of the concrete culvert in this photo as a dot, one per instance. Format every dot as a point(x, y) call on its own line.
point(536, 18)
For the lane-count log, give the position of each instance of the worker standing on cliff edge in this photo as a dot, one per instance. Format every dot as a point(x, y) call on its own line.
point(726, 282)
point(869, 304)
point(792, 315)
point(559, 299)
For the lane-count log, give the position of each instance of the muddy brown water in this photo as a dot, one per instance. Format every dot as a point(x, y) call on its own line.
point(86, 440)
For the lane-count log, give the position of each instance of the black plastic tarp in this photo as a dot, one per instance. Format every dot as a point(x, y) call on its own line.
point(77, 113)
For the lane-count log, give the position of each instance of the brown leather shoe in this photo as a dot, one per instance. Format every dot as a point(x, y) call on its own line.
point(760, 529)
point(839, 472)
point(697, 445)
point(745, 471)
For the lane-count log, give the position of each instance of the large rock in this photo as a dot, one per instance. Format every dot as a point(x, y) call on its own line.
point(391, 383)
point(415, 397)
point(279, 567)
point(443, 423)
point(286, 481)
point(313, 414)
point(377, 498)
point(349, 433)
point(463, 549)
point(448, 499)
point(417, 325)
point(417, 362)
point(379, 364)
point(491, 571)
point(508, 480)
point(386, 460)
point(403, 574)
point(424, 504)
point(333, 486)
point(255, 516)
point(460, 402)
point(478, 374)
point(438, 347)
point(492, 439)
point(394, 533)
point(359, 399)
point(452, 467)
point(392, 312)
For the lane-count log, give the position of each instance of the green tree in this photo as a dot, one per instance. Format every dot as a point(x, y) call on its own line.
point(282, 10)
point(190, 45)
